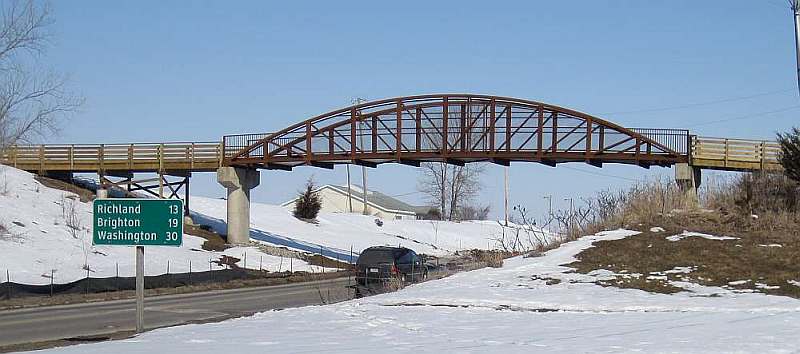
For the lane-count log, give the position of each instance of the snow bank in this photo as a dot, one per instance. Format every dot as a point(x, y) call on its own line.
point(44, 238)
point(529, 305)
point(336, 233)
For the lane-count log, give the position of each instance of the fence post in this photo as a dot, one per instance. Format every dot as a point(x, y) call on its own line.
point(322, 259)
point(210, 271)
point(52, 276)
point(189, 282)
point(245, 260)
point(116, 279)
point(87, 279)
point(280, 265)
point(291, 263)
point(8, 281)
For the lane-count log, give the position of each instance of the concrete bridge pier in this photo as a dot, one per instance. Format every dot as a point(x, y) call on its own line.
point(238, 181)
point(688, 179)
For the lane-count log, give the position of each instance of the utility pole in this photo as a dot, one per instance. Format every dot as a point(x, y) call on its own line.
point(365, 201)
point(349, 191)
point(505, 193)
point(796, 10)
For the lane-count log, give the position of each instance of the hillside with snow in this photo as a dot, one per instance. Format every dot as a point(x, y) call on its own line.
point(45, 231)
point(530, 305)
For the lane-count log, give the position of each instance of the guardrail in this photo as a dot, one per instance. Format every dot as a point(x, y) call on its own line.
point(145, 157)
point(735, 154)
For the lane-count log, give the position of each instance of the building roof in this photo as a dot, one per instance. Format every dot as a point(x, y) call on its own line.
point(374, 199)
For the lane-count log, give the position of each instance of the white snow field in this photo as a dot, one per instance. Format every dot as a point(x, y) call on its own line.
point(336, 233)
point(529, 305)
point(39, 242)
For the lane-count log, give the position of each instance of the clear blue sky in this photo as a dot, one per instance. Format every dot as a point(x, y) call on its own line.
point(183, 71)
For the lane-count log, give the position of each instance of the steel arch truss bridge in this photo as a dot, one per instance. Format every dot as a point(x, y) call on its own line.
point(457, 129)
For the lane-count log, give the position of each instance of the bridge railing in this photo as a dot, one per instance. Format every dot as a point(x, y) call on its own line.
point(678, 140)
point(106, 157)
point(735, 154)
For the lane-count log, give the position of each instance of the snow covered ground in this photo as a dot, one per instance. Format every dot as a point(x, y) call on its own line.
point(336, 233)
point(529, 305)
point(42, 237)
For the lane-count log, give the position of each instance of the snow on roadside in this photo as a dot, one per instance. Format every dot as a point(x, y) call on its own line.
point(687, 234)
point(519, 308)
point(336, 233)
point(41, 241)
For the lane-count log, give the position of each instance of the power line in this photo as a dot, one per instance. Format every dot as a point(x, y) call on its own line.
point(700, 104)
point(404, 194)
point(750, 115)
point(601, 174)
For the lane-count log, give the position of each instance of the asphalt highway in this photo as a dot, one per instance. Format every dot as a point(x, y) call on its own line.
point(100, 320)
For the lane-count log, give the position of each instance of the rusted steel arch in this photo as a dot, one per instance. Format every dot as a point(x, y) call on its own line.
point(413, 129)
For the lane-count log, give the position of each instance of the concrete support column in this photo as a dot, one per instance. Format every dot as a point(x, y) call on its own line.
point(688, 179)
point(238, 181)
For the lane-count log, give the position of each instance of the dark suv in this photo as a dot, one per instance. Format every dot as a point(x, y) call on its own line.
point(377, 265)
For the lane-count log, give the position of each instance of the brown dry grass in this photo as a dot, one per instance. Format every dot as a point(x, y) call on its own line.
point(717, 262)
point(758, 209)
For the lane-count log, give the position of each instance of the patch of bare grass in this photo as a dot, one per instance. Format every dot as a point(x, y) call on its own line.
point(763, 261)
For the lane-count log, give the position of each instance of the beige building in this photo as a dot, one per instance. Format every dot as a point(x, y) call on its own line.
point(335, 200)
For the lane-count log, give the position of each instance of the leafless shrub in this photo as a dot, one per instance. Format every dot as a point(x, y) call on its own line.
point(4, 188)
point(772, 198)
point(394, 283)
point(471, 212)
point(522, 235)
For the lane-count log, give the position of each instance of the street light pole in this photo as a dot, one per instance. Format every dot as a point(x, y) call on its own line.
point(365, 201)
point(505, 193)
point(796, 10)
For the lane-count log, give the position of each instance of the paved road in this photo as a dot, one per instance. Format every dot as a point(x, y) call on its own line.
point(100, 319)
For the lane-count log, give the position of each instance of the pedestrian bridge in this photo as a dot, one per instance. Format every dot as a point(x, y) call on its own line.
point(456, 128)
point(450, 128)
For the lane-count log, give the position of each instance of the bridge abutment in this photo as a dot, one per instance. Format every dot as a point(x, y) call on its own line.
point(688, 179)
point(239, 182)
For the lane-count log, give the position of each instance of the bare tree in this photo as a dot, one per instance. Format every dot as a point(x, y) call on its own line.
point(33, 100)
point(451, 187)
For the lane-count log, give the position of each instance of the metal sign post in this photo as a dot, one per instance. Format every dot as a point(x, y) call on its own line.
point(139, 289)
point(139, 223)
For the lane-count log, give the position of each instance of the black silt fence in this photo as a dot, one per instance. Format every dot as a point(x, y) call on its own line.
point(10, 290)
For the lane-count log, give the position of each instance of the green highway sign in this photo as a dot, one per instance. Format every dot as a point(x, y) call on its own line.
point(138, 222)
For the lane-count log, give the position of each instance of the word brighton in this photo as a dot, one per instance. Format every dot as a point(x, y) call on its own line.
point(115, 223)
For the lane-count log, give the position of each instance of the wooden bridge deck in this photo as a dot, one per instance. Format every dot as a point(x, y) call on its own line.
point(198, 157)
point(735, 154)
point(706, 153)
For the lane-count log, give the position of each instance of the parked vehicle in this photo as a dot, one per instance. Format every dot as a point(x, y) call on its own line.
point(380, 264)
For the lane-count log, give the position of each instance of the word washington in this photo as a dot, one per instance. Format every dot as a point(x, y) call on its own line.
point(126, 236)
point(115, 223)
point(119, 209)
